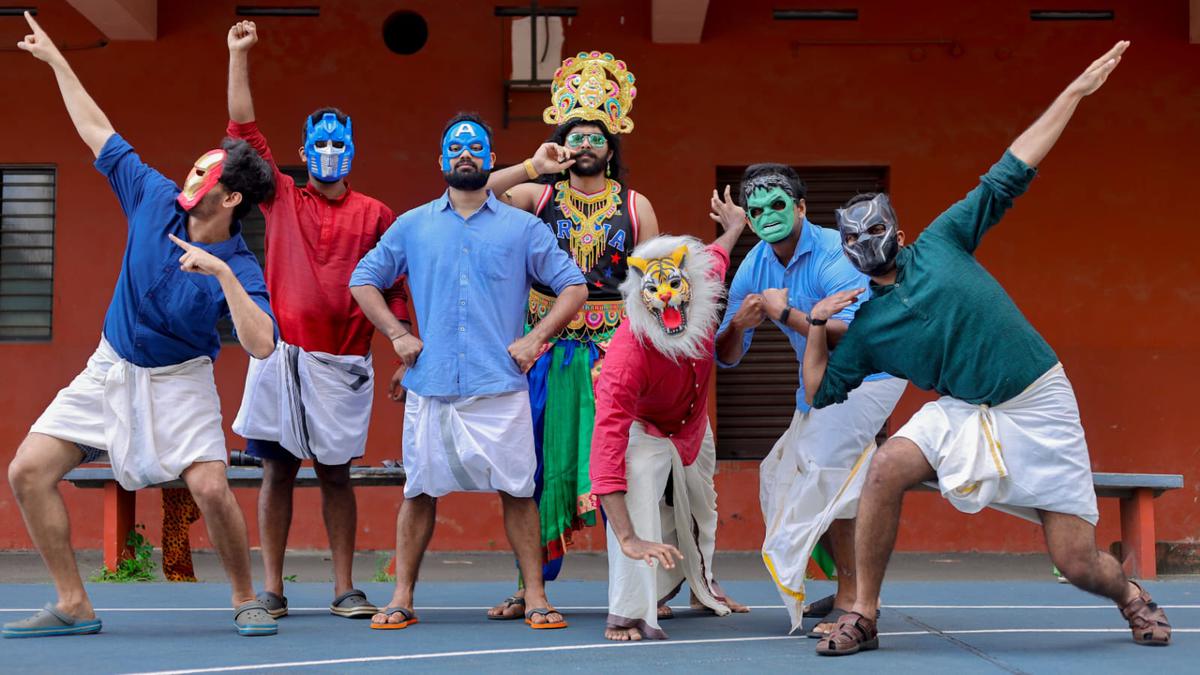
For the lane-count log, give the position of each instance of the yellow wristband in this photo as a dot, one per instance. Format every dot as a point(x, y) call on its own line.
point(529, 170)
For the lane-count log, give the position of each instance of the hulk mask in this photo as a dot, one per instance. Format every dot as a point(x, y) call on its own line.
point(772, 213)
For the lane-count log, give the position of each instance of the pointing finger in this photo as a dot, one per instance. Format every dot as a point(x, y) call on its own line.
point(181, 243)
point(33, 23)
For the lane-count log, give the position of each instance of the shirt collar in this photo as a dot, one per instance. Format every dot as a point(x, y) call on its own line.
point(443, 203)
point(902, 258)
point(308, 187)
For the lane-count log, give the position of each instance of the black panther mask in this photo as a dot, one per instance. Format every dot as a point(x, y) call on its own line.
point(872, 254)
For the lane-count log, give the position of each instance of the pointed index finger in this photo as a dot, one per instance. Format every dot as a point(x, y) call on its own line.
point(180, 243)
point(33, 23)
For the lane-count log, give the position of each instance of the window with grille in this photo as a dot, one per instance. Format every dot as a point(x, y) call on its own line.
point(755, 400)
point(254, 231)
point(26, 252)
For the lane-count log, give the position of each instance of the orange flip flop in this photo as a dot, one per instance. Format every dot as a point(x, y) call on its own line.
point(409, 619)
point(543, 611)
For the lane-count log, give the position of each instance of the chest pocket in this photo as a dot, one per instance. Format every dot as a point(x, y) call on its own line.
point(187, 306)
point(499, 262)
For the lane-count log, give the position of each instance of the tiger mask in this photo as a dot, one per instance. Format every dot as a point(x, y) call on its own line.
point(671, 298)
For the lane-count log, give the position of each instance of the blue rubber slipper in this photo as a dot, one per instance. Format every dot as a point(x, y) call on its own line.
point(252, 618)
point(49, 622)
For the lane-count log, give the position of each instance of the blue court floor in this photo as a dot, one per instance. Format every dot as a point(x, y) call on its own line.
point(948, 627)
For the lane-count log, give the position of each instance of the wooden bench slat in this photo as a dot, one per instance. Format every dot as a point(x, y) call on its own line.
point(250, 476)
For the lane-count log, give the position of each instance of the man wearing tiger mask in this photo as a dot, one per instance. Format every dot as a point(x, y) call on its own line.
point(652, 430)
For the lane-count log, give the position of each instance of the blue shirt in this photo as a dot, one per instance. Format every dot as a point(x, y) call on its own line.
point(160, 315)
point(470, 282)
point(818, 269)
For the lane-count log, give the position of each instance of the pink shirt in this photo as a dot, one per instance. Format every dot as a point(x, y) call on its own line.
point(313, 245)
point(638, 384)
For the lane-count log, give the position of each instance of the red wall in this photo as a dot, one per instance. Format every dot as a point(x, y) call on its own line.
point(1099, 255)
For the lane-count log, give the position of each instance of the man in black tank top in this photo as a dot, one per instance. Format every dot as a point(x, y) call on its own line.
point(598, 220)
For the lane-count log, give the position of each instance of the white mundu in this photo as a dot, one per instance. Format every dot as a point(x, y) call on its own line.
point(316, 405)
point(636, 589)
point(474, 444)
point(1026, 454)
point(813, 476)
point(153, 422)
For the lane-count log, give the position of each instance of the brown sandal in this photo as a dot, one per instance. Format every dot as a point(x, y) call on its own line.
point(1147, 620)
point(851, 634)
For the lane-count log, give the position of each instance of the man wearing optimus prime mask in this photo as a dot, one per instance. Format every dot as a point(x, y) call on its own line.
point(1005, 432)
point(311, 399)
point(652, 431)
point(811, 480)
point(147, 396)
point(470, 261)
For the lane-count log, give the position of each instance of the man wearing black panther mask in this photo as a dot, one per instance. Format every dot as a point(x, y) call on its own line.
point(1005, 432)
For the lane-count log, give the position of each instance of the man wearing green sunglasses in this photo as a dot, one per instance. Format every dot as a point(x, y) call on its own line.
point(579, 192)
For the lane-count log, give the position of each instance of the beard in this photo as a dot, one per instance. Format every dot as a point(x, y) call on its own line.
point(468, 181)
point(208, 206)
point(594, 167)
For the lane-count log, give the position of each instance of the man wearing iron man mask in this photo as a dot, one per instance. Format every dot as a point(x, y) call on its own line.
point(147, 399)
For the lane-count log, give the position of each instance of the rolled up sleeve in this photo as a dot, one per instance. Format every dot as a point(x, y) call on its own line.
point(382, 265)
point(546, 262)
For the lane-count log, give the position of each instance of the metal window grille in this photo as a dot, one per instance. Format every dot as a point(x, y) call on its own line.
point(27, 196)
point(254, 231)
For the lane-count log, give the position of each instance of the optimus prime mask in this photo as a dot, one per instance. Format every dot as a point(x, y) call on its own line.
point(871, 254)
point(201, 179)
point(467, 136)
point(771, 207)
point(672, 300)
point(329, 148)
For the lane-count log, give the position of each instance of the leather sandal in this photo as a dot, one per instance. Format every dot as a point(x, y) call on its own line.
point(1146, 619)
point(852, 633)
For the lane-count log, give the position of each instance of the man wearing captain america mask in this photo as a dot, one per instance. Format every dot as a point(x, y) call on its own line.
point(319, 407)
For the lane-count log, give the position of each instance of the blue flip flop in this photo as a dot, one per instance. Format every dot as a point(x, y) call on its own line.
point(49, 622)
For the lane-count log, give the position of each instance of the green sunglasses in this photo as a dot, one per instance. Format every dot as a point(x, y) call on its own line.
point(597, 140)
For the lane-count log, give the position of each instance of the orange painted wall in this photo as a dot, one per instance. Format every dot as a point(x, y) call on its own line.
point(1100, 255)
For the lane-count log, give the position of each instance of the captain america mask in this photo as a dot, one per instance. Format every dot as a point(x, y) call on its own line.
point(869, 235)
point(469, 136)
point(328, 148)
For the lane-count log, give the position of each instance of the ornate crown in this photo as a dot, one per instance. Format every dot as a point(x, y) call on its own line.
point(595, 87)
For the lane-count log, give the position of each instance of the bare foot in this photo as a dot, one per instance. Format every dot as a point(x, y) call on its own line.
point(665, 612)
point(623, 634)
point(511, 608)
point(734, 605)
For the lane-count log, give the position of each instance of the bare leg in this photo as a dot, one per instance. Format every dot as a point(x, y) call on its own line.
point(340, 510)
point(275, 517)
point(1072, 545)
point(841, 542)
point(226, 526)
point(897, 466)
point(414, 529)
point(41, 461)
point(523, 528)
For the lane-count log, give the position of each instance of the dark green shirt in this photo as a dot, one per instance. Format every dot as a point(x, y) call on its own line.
point(946, 324)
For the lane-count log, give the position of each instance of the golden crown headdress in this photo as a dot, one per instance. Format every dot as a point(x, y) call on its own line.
point(595, 87)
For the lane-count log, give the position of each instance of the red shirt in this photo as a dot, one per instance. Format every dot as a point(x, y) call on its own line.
point(313, 245)
point(639, 384)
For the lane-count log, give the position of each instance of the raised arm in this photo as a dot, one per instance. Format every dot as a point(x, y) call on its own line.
point(91, 123)
point(242, 36)
point(731, 218)
point(549, 159)
point(1032, 146)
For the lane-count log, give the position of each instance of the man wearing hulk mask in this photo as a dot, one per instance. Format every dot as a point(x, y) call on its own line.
point(808, 483)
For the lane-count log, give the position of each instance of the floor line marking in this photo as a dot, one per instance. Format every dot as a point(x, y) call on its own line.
point(611, 645)
point(962, 644)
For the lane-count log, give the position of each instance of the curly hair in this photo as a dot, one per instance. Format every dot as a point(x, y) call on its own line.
point(768, 175)
point(615, 168)
point(246, 172)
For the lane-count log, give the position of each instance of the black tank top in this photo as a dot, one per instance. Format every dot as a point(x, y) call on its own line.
point(599, 233)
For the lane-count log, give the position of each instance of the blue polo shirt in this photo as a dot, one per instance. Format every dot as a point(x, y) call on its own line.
point(817, 270)
point(160, 315)
point(470, 282)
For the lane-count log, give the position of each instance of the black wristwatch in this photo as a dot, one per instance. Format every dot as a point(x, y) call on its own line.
point(783, 316)
point(816, 322)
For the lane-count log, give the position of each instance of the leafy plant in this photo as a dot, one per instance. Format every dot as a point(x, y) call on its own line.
point(290, 578)
point(138, 567)
point(381, 565)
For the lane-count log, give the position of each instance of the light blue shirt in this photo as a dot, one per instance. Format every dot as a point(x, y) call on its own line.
point(818, 269)
point(470, 282)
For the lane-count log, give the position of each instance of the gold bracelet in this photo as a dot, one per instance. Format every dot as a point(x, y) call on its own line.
point(529, 170)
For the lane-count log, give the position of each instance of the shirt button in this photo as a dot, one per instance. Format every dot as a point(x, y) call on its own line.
point(463, 278)
point(462, 329)
point(466, 250)
point(462, 302)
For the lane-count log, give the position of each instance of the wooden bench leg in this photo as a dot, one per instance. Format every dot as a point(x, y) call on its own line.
point(1137, 534)
point(119, 507)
